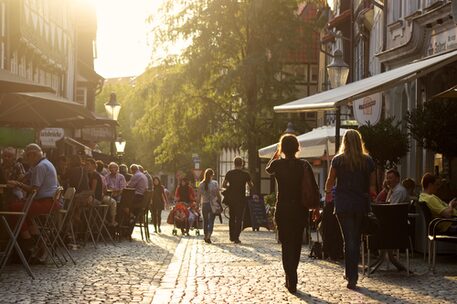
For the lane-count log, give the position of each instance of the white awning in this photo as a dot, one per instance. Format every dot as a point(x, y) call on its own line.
point(312, 144)
point(330, 99)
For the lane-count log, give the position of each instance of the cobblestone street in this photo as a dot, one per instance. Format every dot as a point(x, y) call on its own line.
point(186, 270)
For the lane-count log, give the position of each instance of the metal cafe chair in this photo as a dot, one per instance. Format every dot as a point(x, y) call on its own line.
point(13, 234)
point(392, 234)
point(47, 226)
point(64, 221)
point(142, 221)
point(434, 235)
point(99, 217)
point(126, 202)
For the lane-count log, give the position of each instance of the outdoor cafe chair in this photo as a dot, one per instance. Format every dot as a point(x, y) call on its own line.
point(126, 201)
point(434, 235)
point(48, 228)
point(13, 234)
point(392, 233)
point(142, 219)
point(98, 221)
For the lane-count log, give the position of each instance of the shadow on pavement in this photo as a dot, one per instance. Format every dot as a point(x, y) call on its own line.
point(309, 298)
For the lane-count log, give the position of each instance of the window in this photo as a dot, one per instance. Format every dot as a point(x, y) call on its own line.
point(395, 10)
point(295, 72)
point(313, 73)
point(81, 95)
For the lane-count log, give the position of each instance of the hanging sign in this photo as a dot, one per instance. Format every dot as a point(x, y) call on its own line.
point(368, 109)
point(49, 136)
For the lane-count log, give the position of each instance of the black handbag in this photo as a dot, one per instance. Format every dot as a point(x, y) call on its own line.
point(370, 223)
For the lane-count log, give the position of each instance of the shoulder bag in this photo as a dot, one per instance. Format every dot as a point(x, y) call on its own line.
point(310, 196)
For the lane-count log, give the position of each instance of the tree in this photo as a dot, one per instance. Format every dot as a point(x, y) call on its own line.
point(385, 142)
point(229, 74)
point(434, 126)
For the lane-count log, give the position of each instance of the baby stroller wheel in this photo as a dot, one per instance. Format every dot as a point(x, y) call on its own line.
point(175, 232)
point(197, 232)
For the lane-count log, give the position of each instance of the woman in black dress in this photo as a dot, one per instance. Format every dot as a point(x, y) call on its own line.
point(290, 214)
point(159, 200)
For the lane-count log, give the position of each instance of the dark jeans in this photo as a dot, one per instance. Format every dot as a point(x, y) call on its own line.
point(236, 212)
point(208, 219)
point(350, 224)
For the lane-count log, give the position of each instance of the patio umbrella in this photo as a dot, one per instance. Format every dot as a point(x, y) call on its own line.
point(312, 144)
point(40, 110)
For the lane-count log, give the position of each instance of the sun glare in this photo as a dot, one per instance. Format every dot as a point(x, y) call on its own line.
point(123, 48)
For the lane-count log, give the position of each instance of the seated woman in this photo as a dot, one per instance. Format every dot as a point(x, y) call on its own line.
point(438, 207)
point(381, 198)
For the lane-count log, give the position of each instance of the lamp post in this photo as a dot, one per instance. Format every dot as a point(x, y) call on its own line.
point(338, 72)
point(120, 147)
point(113, 108)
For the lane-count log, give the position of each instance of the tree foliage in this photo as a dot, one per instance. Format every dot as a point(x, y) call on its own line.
point(220, 91)
point(385, 142)
point(434, 126)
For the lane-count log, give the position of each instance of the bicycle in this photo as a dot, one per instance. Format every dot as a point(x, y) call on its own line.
point(226, 212)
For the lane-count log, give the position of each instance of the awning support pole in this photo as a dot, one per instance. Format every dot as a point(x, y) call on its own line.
point(337, 128)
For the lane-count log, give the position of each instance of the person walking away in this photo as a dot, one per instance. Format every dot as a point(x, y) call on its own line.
point(353, 171)
point(208, 191)
point(236, 180)
point(159, 201)
point(290, 215)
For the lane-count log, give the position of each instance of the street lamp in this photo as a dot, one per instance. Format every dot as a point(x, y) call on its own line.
point(338, 72)
point(113, 108)
point(120, 146)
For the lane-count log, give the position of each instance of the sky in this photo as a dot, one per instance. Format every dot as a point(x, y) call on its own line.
point(123, 42)
point(123, 47)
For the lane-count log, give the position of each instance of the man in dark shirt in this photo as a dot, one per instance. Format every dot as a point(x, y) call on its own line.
point(236, 180)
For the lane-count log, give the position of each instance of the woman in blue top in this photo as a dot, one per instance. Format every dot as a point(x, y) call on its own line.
point(353, 170)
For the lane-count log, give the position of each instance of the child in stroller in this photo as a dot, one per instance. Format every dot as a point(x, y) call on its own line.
point(194, 217)
point(180, 218)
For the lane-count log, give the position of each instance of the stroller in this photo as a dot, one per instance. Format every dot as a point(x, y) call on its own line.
point(195, 221)
point(179, 217)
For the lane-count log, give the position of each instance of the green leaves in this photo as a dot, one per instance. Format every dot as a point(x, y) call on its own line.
point(385, 142)
point(434, 126)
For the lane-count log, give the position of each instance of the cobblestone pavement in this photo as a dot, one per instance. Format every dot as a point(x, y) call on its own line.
point(187, 270)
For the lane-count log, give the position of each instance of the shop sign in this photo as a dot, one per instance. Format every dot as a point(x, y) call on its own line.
point(368, 109)
point(102, 133)
point(49, 137)
point(442, 42)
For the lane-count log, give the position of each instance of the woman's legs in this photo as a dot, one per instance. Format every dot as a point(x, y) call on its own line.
point(154, 218)
point(158, 218)
point(350, 225)
point(208, 220)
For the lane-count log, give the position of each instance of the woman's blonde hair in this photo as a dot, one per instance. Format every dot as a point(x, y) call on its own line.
point(353, 150)
point(207, 177)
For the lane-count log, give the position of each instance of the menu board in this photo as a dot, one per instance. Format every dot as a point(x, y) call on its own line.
point(255, 215)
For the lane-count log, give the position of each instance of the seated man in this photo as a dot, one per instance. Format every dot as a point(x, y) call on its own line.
point(115, 181)
point(397, 193)
point(139, 182)
point(438, 208)
point(43, 179)
point(98, 188)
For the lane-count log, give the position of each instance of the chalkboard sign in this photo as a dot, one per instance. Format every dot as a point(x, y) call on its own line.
point(255, 215)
